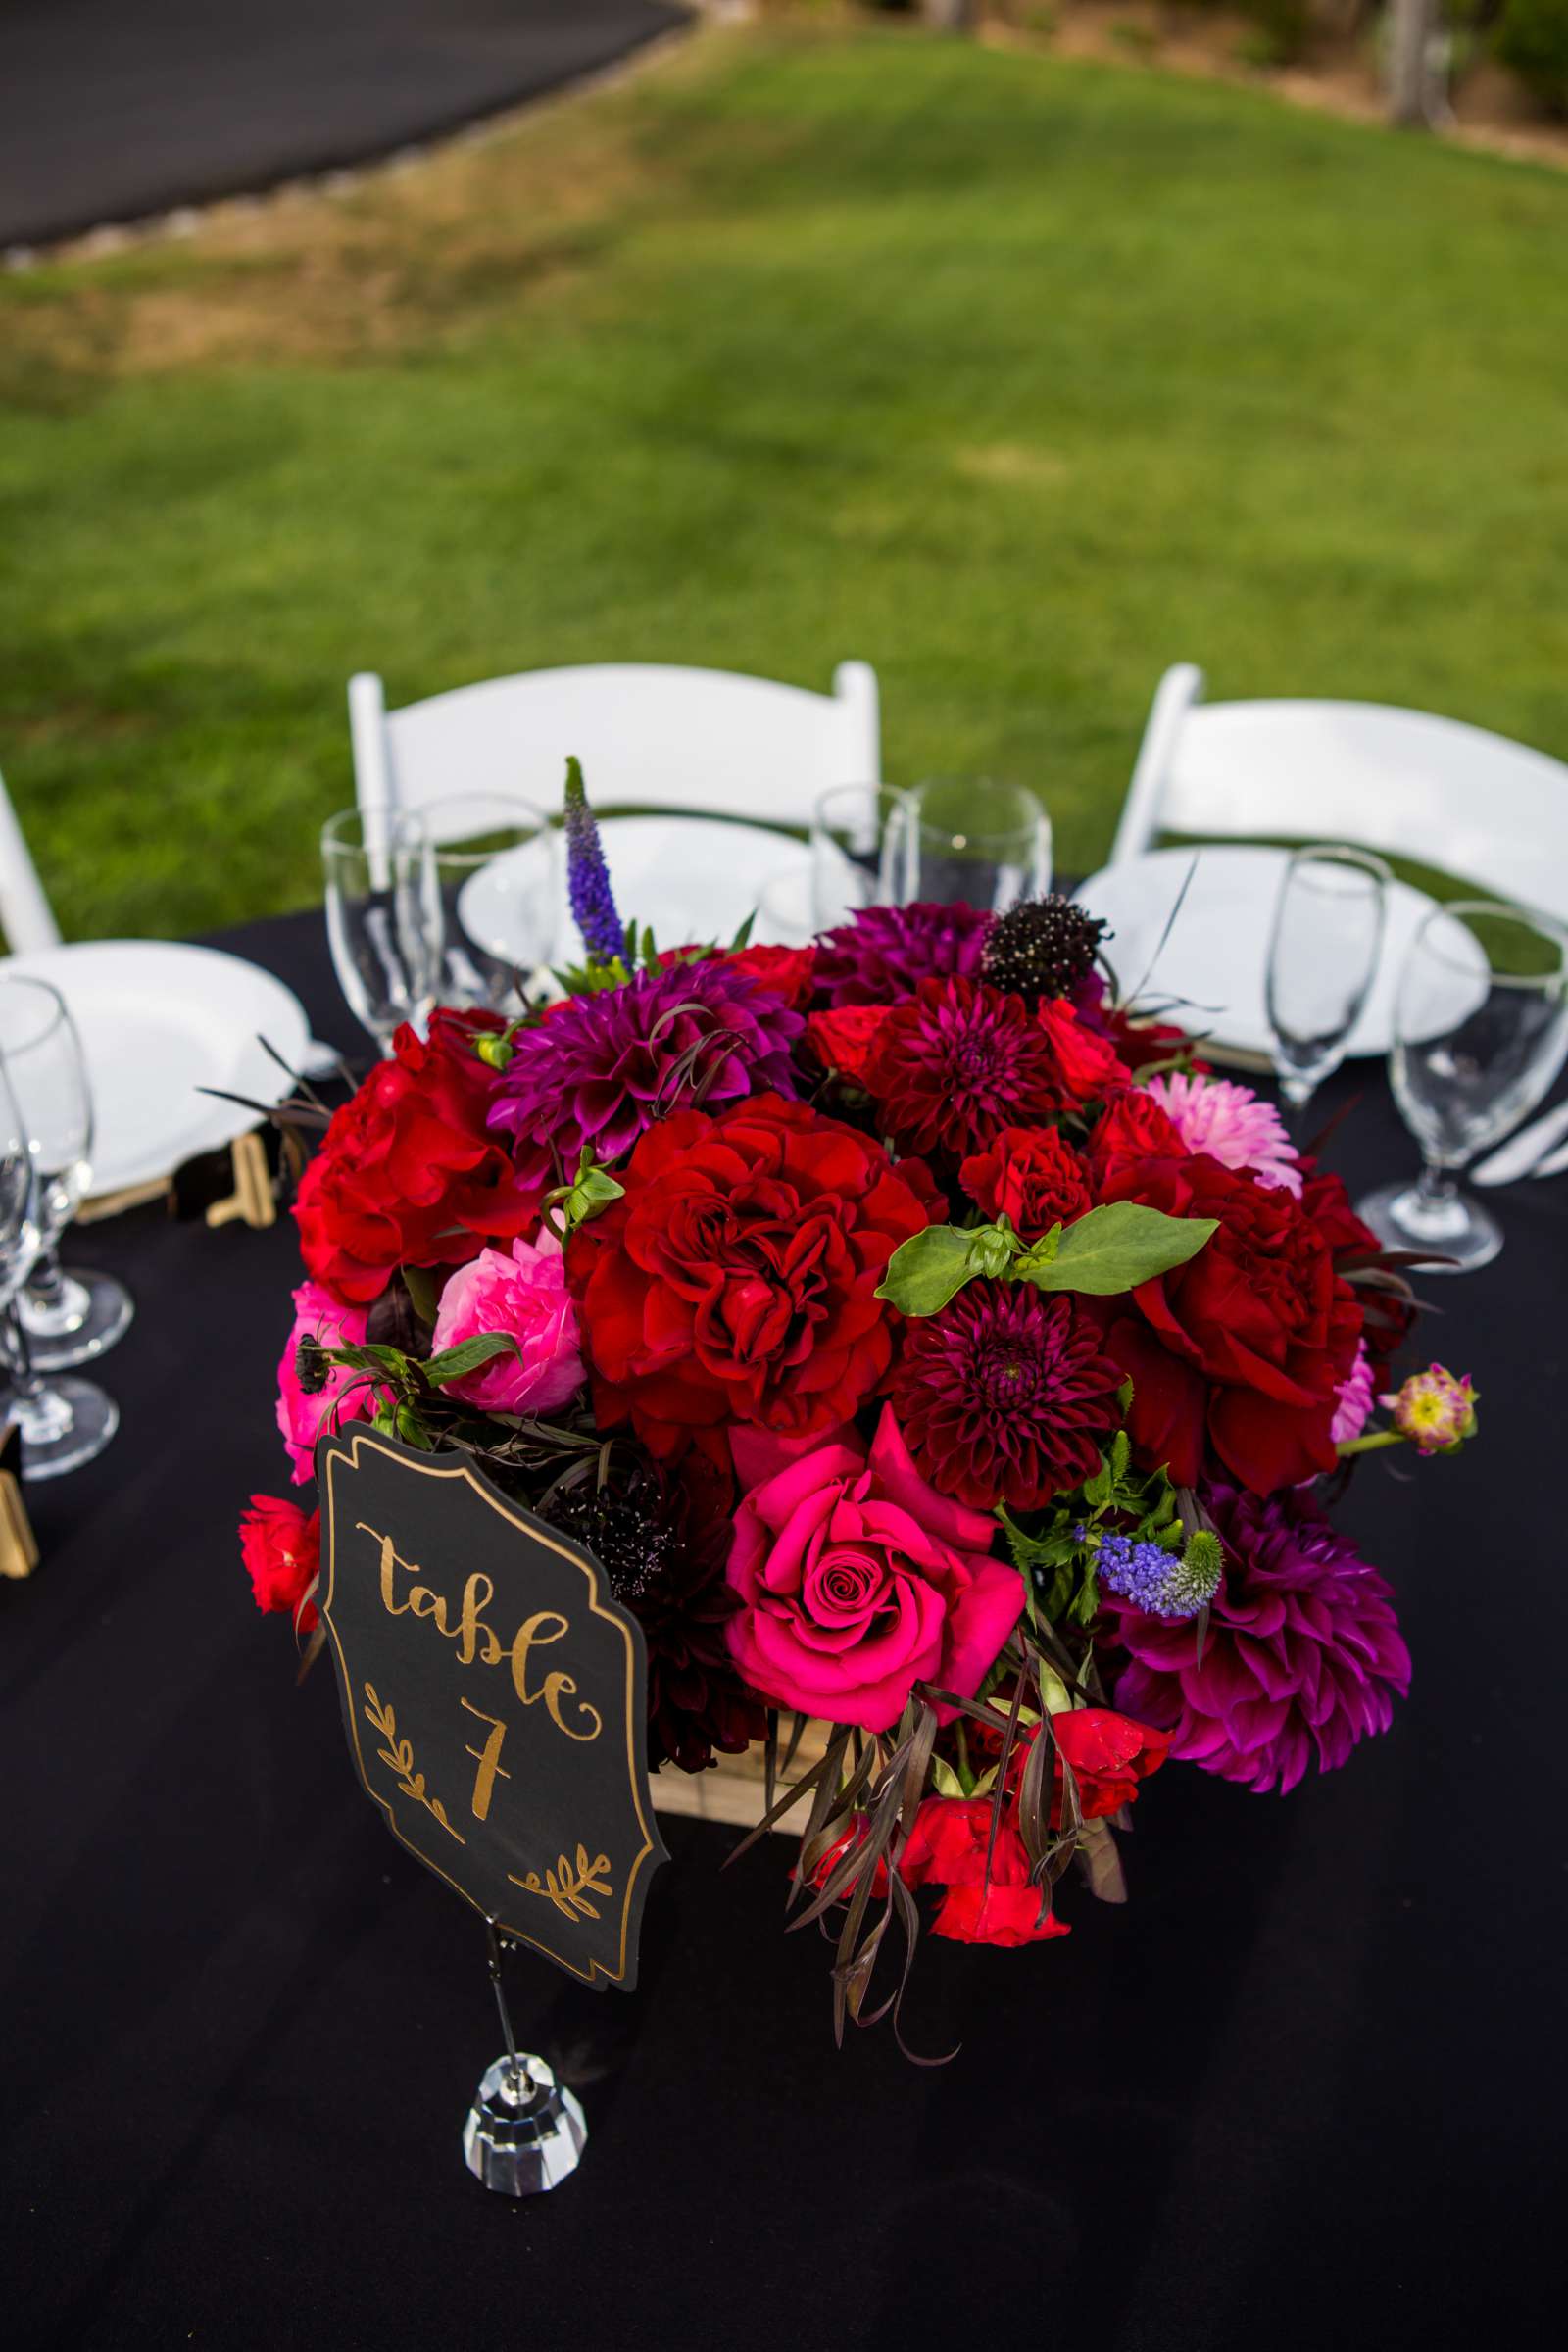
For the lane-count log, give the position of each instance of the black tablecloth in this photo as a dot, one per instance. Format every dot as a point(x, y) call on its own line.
point(1304, 2090)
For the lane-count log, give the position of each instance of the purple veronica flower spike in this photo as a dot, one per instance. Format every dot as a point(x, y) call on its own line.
point(593, 901)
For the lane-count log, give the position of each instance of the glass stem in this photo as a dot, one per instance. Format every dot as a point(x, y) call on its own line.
point(46, 1285)
point(41, 1413)
point(1436, 1186)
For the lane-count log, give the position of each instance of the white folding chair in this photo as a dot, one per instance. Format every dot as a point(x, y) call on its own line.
point(1404, 782)
point(26, 918)
point(701, 740)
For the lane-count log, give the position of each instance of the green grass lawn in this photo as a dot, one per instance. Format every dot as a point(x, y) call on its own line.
point(1020, 378)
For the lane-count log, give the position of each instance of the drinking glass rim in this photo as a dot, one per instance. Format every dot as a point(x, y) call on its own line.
point(1545, 926)
point(970, 839)
point(397, 822)
point(895, 792)
point(58, 1013)
point(1342, 852)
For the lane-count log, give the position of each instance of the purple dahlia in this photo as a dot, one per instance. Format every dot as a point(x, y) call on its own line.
point(1005, 1396)
point(599, 1069)
point(1301, 1650)
point(882, 953)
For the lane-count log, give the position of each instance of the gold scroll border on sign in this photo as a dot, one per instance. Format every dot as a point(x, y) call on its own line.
point(347, 1448)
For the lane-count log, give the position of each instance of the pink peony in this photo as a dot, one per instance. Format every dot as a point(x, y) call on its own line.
point(857, 1580)
point(523, 1295)
point(302, 1417)
point(1232, 1124)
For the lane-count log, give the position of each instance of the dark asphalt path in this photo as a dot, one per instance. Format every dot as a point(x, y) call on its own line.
point(111, 110)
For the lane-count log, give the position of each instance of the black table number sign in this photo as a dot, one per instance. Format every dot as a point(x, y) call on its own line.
point(494, 1696)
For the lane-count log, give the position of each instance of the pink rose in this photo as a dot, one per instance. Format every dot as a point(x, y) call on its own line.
point(857, 1580)
point(524, 1294)
point(301, 1417)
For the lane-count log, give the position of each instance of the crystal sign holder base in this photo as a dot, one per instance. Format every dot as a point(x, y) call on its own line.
point(525, 2131)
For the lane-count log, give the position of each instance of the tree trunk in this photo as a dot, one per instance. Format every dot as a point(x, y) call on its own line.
point(950, 16)
point(1409, 33)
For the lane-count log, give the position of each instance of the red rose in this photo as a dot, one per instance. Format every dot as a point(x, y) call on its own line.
point(1130, 1131)
point(1030, 1174)
point(1087, 1066)
point(406, 1174)
point(947, 1847)
point(1109, 1755)
point(788, 971)
point(283, 1550)
point(1390, 1313)
point(1242, 1348)
point(734, 1279)
point(841, 1041)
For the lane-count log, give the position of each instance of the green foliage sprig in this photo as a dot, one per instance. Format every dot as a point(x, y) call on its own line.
point(1107, 1251)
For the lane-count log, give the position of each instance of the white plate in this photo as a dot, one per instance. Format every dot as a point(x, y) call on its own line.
point(1216, 957)
point(691, 878)
point(156, 1022)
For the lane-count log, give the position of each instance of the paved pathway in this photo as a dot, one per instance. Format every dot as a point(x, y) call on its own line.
point(111, 110)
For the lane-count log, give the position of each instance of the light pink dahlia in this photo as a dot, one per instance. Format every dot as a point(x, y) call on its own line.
point(1352, 1399)
point(1232, 1124)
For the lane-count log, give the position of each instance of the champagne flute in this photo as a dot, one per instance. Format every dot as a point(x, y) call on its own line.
point(63, 1422)
point(1323, 957)
point(1481, 1031)
point(496, 866)
point(383, 917)
point(979, 841)
point(861, 852)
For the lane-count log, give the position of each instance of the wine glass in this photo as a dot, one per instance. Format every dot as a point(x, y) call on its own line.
point(383, 917)
point(978, 840)
point(18, 1193)
point(1479, 1033)
point(1323, 957)
point(862, 846)
point(496, 869)
point(63, 1422)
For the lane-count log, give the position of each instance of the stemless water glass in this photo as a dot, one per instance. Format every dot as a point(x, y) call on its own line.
point(496, 869)
point(1322, 960)
point(862, 846)
point(978, 840)
point(63, 1422)
point(1481, 1031)
point(383, 917)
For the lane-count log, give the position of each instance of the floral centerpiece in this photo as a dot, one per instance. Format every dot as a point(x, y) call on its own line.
point(922, 1343)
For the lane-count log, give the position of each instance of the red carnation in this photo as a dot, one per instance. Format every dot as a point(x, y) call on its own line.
point(735, 1278)
point(961, 1062)
point(948, 1848)
point(281, 1549)
point(1132, 1129)
point(1031, 1175)
point(841, 1041)
point(406, 1174)
point(1087, 1066)
point(788, 972)
point(1242, 1348)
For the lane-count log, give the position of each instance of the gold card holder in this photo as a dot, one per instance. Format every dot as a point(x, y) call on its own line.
point(233, 1186)
point(254, 1200)
point(18, 1545)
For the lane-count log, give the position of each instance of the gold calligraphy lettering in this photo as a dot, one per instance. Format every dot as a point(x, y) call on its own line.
point(488, 1759)
point(531, 1635)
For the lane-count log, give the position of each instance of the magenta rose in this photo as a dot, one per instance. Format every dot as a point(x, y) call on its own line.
point(858, 1580)
point(301, 1417)
point(522, 1292)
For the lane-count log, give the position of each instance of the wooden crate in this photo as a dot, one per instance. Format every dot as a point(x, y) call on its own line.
point(734, 1789)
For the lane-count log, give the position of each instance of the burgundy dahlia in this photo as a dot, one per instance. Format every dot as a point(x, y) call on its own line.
point(1005, 1396)
point(599, 1069)
point(882, 953)
point(1301, 1651)
point(957, 1064)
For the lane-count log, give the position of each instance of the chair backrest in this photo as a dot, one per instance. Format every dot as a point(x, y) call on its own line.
point(1404, 782)
point(25, 915)
point(698, 740)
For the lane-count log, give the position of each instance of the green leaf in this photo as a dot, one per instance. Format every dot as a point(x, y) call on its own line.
point(455, 1362)
point(1114, 1249)
point(423, 1294)
point(931, 1267)
point(742, 936)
